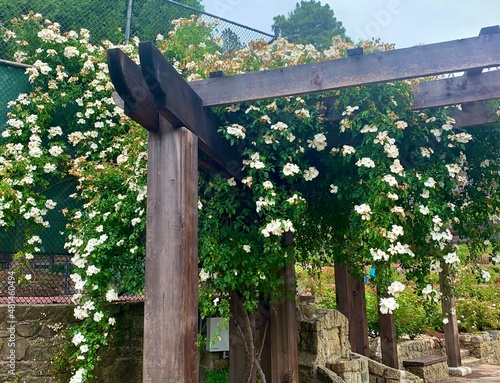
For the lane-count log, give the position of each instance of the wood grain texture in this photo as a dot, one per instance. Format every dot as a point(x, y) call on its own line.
point(457, 90)
point(170, 308)
point(176, 101)
point(388, 339)
point(283, 330)
point(451, 335)
point(420, 61)
point(138, 102)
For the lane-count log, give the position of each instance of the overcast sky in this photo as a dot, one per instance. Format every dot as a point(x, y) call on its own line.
point(403, 22)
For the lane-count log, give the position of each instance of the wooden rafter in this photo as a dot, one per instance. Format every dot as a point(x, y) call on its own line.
point(420, 61)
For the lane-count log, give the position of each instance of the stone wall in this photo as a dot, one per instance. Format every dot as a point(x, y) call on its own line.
point(484, 346)
point(411, 349)
point(39, 335)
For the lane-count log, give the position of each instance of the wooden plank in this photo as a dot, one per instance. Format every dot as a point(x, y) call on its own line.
point(388, 339)
point(138, 102)
point(360, 318)
point(425, 360)
point(457, 90)
point(181, 106)
point(351, 301)
point(473, 114)
point(420, 61)
point(451, 338)
point(283, 330)
point(484, 31)
point(170, 306)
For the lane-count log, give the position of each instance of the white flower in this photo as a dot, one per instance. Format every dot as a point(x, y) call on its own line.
point(247, 248)
point(55, 131)
point(311, 173)
point(334, 189)
point(98, 316)
point(28, 277)
point(396, 288)
point(369, 129)
point(84, 348)
point(135, 221)
point(267, 185)
point(388, 305)
point(247, 181)
point(78, 338)
point(392, 196)
point(496, 258)
point(231, 181)
point(485, 275)
point(91, 270)
point(346, 150)
point(200, 205)
point(112, 321)
point(56, 150)
point(425, 194)
point(318, 143)
point(78, 376)
point(111, 295)
point(424, 209)
point(204, 275)
point(379, 255)
point(401, 124)
point(236, 130)
point(426, 152)
point(446, 320)
point(279, 126)
point(366, 162)
point(349, 110)
point(390, 180)
point(451, 258)
point(216, 301)
point(430, 183)
point(302, 113)
point(391, 150)
point(365, 211)
point(396, 167)
point(290, 169)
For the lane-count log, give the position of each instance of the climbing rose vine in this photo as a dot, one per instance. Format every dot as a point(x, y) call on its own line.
point(355, 175)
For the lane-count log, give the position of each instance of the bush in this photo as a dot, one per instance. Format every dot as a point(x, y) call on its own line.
point(217, 375)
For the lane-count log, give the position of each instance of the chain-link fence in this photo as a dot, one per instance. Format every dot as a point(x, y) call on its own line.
point(112, 20)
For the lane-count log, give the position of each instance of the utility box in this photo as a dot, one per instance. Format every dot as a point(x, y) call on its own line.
point(217, 334)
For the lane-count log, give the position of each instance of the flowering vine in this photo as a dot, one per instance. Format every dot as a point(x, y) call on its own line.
point(379, 186)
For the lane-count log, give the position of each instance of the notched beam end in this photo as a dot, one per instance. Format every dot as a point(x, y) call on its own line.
point(127, 79)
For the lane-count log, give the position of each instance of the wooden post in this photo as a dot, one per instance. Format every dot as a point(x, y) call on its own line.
point(451, 339)
point(359, 319)
point(283, 329)
point(170, 308)
point(388, 339)
point(351, 301)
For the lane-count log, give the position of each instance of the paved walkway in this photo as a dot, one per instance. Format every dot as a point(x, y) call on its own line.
point(480, 374)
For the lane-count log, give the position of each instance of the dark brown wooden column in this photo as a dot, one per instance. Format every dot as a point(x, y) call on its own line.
point(170, 308)
point(388, 338)
point(451, 338)
point(283, 329)
point(351, 301)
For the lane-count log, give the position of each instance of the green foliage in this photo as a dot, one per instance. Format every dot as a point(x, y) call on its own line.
point(310, 23)
point(217, 375)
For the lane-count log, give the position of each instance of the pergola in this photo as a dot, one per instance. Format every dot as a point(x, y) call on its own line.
point(179, 120)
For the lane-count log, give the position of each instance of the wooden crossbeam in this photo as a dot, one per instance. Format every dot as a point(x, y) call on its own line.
point(420, 61)
point(457, 90)
point(138, 102)
point(176, 101)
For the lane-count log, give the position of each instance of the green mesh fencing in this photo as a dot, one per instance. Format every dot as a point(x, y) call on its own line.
point(117, 21)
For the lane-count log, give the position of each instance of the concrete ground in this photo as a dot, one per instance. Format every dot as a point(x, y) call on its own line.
point(480, 374)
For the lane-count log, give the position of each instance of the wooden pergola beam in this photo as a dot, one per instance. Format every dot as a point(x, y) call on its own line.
point(420, 61)
point(145, 91)
point(457, 90)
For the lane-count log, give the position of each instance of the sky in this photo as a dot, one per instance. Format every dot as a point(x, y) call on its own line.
point(403, 22)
